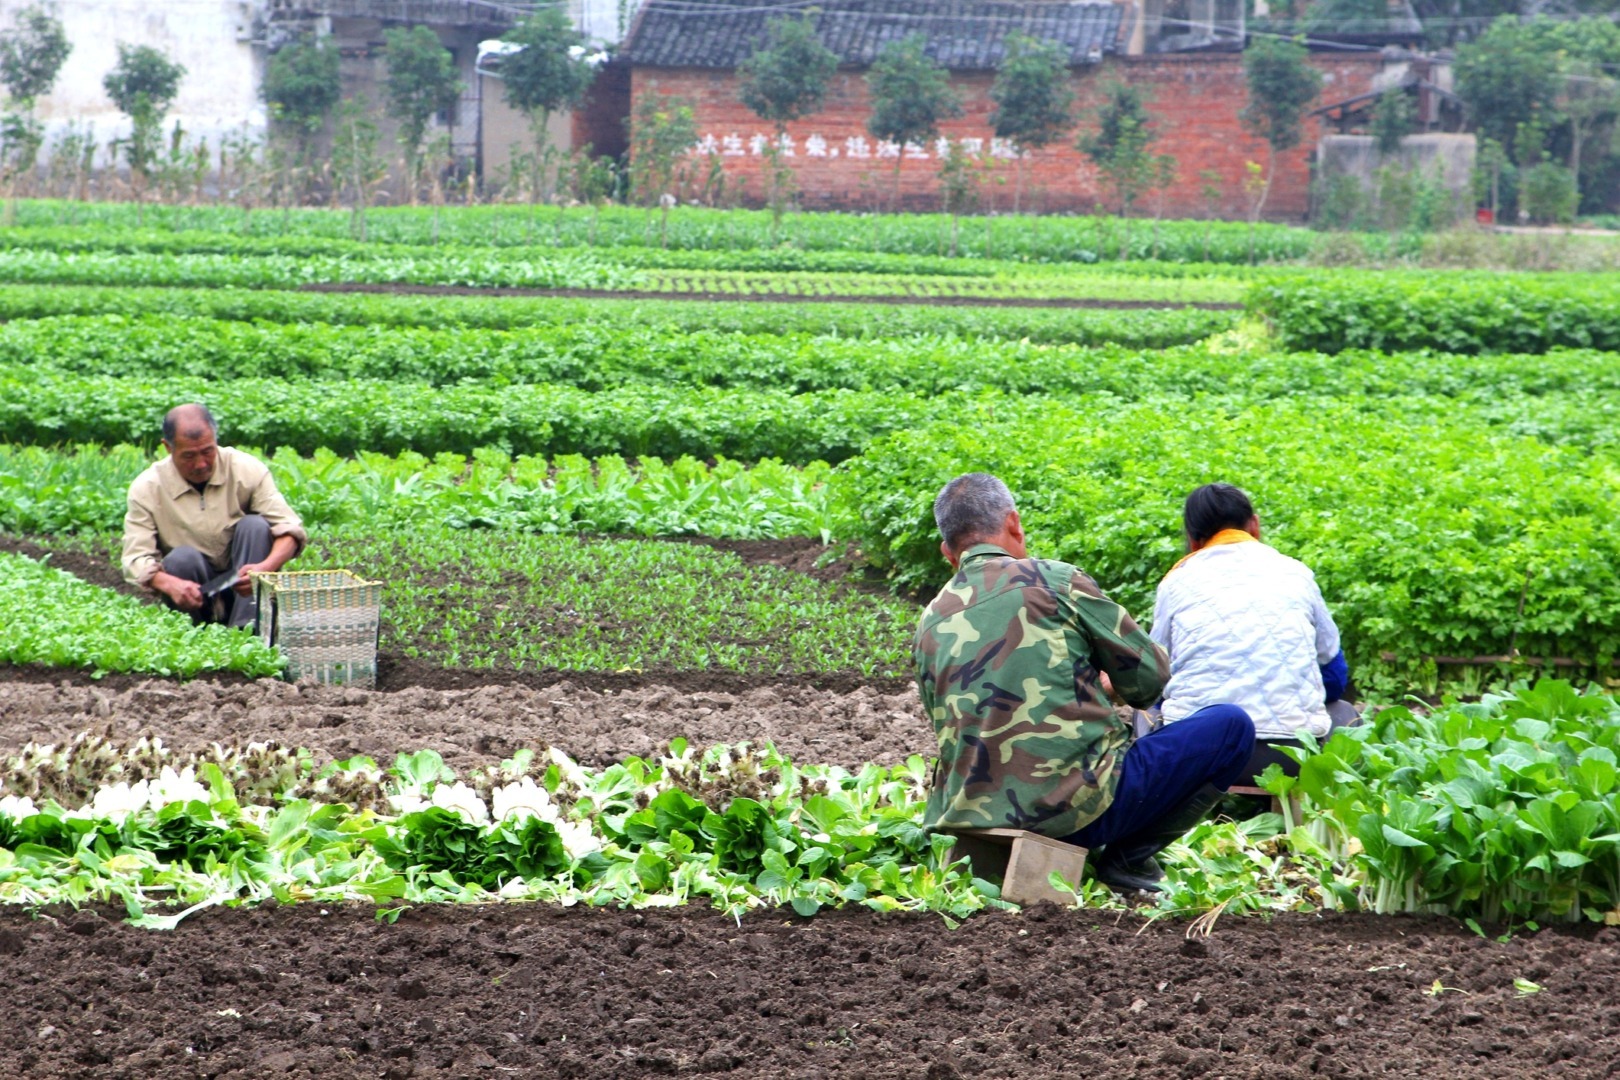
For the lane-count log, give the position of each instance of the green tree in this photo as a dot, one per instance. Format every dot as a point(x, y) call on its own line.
point(553, 71)
point(1282, 84)
point(358, 165)
point(910, 96)
point(785, 80)
point(1588, 97)
point(421, 82)
point(1034, 106)
point(302, 84)
point(32, 52)
point(663, 129)
point(142, 85)
point(1507, 78)
point(1120, 144)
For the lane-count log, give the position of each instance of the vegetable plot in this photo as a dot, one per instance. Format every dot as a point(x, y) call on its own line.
point(739, 827)
point(55, 619)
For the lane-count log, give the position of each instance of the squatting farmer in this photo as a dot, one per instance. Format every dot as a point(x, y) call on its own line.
point(1245, 624)
point(203, 519)
point(1016, 659)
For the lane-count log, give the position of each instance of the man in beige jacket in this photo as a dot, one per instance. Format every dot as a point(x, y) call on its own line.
point(204, 512)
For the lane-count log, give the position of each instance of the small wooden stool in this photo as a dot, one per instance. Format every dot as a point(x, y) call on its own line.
point(1023, 860)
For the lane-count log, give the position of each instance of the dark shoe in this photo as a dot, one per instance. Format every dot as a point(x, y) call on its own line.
point(1130, 864)
point(1126, 877)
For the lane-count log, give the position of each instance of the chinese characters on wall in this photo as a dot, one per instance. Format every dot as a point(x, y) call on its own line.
point(854, 147)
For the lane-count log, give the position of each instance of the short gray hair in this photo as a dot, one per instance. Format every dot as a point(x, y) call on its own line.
point(973, 505)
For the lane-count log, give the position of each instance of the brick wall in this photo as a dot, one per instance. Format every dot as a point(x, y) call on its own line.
point(1194, 98)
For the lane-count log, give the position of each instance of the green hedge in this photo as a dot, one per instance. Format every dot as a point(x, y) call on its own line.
point(1516, 313)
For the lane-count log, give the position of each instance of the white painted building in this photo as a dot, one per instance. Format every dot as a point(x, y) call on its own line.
point(212, 39)
point(224, 44)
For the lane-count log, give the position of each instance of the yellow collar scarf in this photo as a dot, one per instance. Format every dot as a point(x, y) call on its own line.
point(1220, 539)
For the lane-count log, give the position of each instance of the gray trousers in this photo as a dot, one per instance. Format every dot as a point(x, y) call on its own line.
point(250, 543)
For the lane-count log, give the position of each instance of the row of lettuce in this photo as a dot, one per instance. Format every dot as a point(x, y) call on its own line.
point(1509, 811)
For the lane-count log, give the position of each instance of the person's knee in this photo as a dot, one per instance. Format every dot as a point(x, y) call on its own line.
point(187, 563)
point(253, 526)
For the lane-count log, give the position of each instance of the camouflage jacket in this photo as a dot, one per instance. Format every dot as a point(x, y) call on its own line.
point(1007, 658)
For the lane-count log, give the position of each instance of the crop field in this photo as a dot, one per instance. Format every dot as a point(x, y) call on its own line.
point(639, 789)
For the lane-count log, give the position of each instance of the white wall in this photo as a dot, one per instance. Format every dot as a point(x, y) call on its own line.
point(218, 95)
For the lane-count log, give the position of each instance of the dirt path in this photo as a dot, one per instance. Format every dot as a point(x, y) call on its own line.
point(306, 992)
point(471, 727)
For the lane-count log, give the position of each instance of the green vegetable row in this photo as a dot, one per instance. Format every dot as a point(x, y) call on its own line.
point(1430, 532)
point(392, 417)
point(468, 267)
point(53, 491)
point(594, 356)
point(1040, 240)
point(55, 619)
point(862, 321)
point(1455, 313)
point(1507, 810)
point(599, 356)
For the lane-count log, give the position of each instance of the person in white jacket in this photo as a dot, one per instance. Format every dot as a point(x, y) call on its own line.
point(1246, 625)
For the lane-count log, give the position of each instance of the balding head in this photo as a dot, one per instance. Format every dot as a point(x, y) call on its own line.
point(977, 508)
point(191, 422)
point(188, 434)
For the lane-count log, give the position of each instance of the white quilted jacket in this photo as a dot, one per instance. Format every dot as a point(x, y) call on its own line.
point(1245, 625)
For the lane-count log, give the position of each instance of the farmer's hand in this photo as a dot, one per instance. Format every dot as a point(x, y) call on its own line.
point(186, 595)
point(244, 580)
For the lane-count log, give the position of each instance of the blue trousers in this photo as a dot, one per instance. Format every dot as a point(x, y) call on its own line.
point(1164, 768)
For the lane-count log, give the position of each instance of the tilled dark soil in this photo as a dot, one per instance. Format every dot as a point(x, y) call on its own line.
point(472, 727)
point(306, 992)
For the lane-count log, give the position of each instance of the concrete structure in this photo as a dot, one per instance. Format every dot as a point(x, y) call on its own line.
point(1443, 159)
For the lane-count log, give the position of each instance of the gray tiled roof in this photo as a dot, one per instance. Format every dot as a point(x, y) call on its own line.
point(963, 35)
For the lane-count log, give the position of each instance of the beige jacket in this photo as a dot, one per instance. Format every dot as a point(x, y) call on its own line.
point(165, 512)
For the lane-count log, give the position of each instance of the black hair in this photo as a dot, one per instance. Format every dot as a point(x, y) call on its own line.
point(1214, 507)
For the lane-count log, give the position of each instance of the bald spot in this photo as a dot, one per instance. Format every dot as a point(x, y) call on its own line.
point(189, 422)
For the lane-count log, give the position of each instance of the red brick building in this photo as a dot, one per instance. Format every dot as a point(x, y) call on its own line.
point(692, 51)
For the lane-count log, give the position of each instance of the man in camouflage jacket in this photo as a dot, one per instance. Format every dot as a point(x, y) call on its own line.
point(1016, 660)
